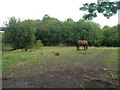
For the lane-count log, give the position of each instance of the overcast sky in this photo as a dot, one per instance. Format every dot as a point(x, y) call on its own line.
point(60, 9)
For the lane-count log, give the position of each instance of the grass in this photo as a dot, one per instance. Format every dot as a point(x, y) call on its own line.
point(16, 58)
point(96, 62)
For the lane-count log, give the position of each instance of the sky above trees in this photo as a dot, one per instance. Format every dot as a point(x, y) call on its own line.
point(60, 9)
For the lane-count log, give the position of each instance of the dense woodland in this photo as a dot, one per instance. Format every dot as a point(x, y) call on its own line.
point(51, 32)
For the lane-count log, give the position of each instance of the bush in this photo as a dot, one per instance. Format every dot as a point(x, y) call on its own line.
point(38, 43)
point(61, 45)
point(19, 34)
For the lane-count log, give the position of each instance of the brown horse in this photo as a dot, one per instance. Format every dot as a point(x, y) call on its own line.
point(82, 43)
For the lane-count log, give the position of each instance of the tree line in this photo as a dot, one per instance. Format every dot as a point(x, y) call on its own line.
point(51, 32)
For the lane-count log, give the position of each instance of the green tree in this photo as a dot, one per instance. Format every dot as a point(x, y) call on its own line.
point(110, 36)
point(90, 31)
point(19, 34)
point(95, 34)
point(49, 31)
point(81, 30)
point(108, 9)
point(69, 32)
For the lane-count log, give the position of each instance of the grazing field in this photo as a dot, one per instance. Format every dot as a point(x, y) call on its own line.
point(62, 67)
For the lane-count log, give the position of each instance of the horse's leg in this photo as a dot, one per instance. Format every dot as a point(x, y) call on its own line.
point(77, 47)
point(84, 47)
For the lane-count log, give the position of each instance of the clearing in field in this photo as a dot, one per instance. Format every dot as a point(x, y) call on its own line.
point(61, 67)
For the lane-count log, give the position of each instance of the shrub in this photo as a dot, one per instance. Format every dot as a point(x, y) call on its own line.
point(19, 34)
point(38, 43)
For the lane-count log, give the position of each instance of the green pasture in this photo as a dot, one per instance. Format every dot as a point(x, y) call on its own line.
point(17, 58)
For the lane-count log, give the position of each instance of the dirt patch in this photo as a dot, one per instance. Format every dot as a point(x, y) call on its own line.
point(99, 84)
point(62, 79)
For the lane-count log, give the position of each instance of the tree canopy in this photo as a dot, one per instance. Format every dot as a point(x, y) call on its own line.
point(19, 34)
point(51, 31)
point(108, 9)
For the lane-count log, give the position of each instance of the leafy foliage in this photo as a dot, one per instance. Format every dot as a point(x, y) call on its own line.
point(19, 34)
point(38, 43)
point(110, 36)
point(108, 9)
point(50, 31)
